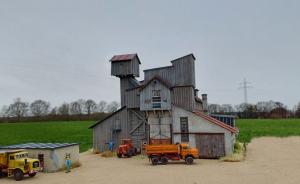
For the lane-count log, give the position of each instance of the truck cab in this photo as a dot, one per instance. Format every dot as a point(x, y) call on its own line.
point(17, 163)
point(186, 150)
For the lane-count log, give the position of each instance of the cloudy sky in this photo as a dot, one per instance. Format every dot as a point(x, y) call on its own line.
point(58, 50)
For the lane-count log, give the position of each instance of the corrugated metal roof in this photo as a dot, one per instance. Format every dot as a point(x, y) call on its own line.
point(38, 146)
point(124, 57)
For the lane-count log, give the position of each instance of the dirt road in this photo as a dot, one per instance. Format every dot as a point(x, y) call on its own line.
point(269, 161)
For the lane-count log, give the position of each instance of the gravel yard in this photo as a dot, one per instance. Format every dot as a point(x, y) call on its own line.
point(268, 161)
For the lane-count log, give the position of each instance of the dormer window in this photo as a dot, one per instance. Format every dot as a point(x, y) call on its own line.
point(156, 99)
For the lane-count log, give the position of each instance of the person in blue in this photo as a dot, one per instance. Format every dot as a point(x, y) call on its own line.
point(111, 146)
point(68, 163)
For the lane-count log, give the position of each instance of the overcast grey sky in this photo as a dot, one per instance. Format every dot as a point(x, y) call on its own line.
point(58, 50)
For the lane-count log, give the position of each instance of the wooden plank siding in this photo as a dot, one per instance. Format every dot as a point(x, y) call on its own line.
point(125, 68)
point(103, 132)
point(210, 145)
point(133, 126)
point(125, 84)
point(147, 93)
point(133, 98)
point(165, 73)
point(184, 71)
point(137, 127)
point(184, 97)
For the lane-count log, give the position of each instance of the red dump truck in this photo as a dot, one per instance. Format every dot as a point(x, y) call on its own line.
point(162, 153)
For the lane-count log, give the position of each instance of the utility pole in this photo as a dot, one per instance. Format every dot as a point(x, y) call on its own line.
point(245, 85)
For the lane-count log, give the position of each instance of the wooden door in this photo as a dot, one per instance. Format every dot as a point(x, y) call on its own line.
point(210, 145)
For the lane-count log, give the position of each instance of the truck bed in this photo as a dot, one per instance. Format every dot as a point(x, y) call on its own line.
point(162, 149)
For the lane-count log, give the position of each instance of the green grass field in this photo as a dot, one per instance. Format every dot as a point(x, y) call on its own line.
point(68, 131)
point(251, 128)
point(77, 131)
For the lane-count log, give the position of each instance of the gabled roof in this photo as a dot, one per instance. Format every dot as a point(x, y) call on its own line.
point(217, 122)
point(98, 122)
point(165, 83)
point(124, 57)
point(184, 57)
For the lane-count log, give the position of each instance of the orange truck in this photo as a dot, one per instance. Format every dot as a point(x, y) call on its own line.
point(162, 153)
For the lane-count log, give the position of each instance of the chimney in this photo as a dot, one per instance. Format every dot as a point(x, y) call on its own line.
point(204, 103)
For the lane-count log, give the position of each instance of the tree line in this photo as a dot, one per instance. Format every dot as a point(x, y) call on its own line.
point(262, 109)
point(39, 109)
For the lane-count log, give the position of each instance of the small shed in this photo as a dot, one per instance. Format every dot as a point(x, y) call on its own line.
point(51, 155)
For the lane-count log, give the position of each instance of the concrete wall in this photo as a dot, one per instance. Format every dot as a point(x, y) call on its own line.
point(199, 125)
point(54, 160)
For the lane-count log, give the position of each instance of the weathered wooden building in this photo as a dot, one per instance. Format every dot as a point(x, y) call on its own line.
point(164, 108)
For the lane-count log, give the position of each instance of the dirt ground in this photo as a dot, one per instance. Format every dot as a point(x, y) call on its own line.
point(269, 161)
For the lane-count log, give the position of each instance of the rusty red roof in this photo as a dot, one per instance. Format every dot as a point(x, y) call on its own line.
point(217, 122)
point(124, 57)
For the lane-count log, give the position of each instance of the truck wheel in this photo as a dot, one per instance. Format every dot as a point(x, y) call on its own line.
point(119, 155)
point(32, 175)
point(154, 160)
point(129, 154)
point(18, 174)
point(164, 160)
point(135, 152)
point(189, 160)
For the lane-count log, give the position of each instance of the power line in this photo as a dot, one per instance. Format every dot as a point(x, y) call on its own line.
point(245, 85)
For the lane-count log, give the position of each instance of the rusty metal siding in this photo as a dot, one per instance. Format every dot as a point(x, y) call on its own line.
point(184, 97)
point(165, 73)
point(184, 71)
point(210, 145)
point(133, 98)
point(146, 96)
point(103, 132)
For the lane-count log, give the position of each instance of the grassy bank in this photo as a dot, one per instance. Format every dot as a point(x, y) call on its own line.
point(251, 128)
point(69, 131)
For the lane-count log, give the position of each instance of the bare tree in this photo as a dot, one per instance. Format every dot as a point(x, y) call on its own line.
point(64, 109)
point(214, 108)
point(90, 106)
point(53, 111)
point(227, 108)
point(39, 108)
point(77, 107)
point(112, 107)
point(102, 106)
point(297, 112)
point(4, 111)
point(18, 108)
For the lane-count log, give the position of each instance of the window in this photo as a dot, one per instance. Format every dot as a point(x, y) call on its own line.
point(117, 125)
point(156, 93)
point(184, 129)
point(156, 99)
point(156, 105)
point(11, 157)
